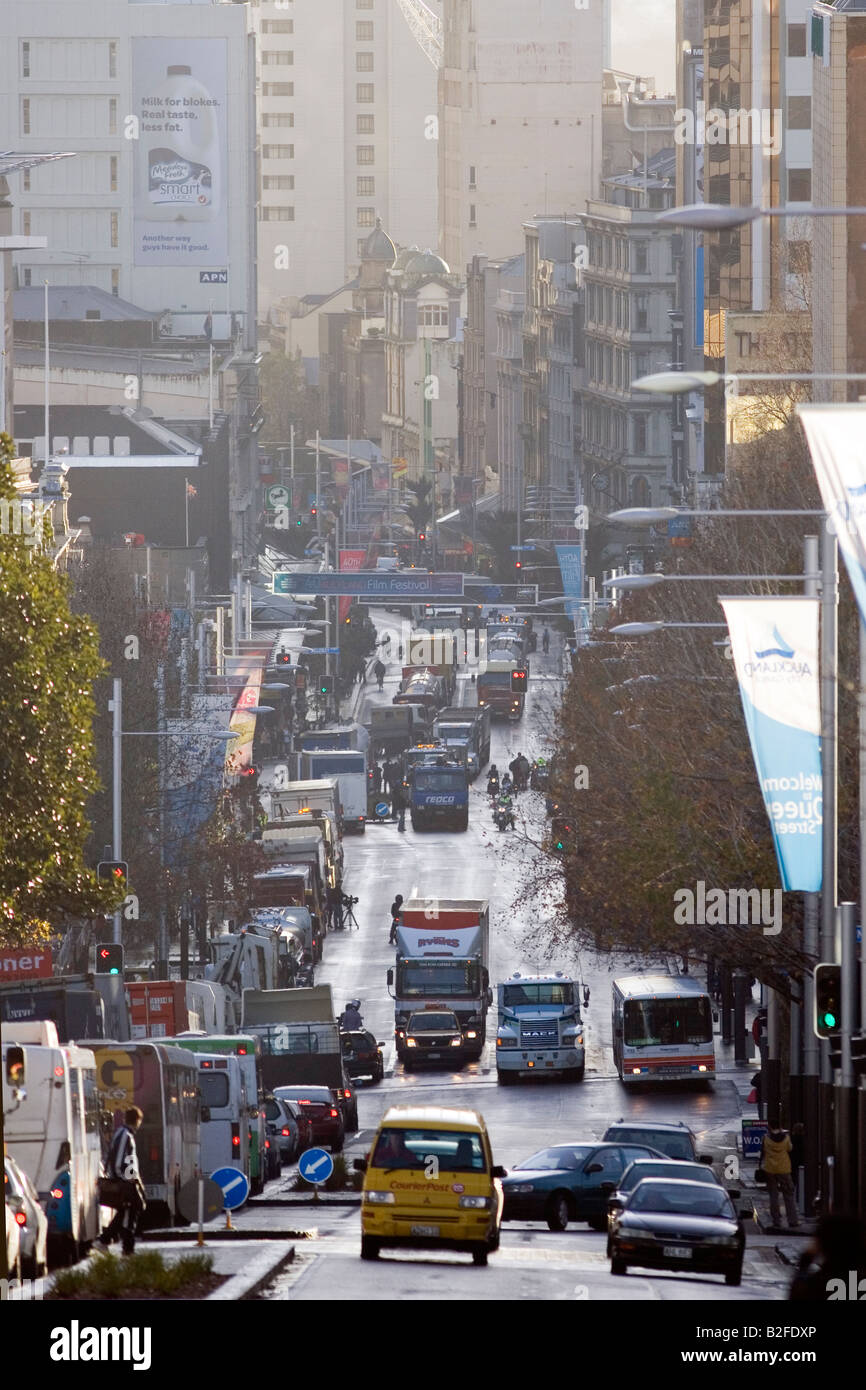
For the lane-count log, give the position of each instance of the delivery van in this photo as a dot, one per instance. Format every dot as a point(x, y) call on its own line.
point(430, 1183)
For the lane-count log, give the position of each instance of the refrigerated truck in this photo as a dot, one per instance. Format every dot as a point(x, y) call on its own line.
point(349, 768)
point(442, 962)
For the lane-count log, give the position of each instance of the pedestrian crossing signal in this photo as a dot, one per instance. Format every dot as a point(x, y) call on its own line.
point(114, 871)
point(828, 1013)
point(109, 959)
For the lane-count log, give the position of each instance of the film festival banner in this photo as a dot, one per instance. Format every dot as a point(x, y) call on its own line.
point(835, 434)
point(570, 559)
point(774, 645)
point(350, 561)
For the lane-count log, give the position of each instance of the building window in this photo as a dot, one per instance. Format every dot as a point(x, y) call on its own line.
point(640, 493)
point(112, 173)
point(112, 58)
point(25, 224)
point(361, 245)
point(278, 89)
point(799, 185)
point(472, 221)
point(366, 186)
point(641, 258)
point(114, 238)
point(366, 217)
point(366, 154)
point(112, 115)
point(28, 276)
point(25, 116)
point(639, 433)
point(363, 4)
point(365, 125)
point(363, 31)
point(278, 118)
point(278, 57)
point(472, 183)
point(278, 151)
point(365, 92)
point(278, 26)
point(799, 113)
point(432, 315)
point(363, 62)
point(25, 59)
point(115, 281)
point(796, 41)
point(641, 313)
point(277, 214)
point(278, 182)
point(608, 251)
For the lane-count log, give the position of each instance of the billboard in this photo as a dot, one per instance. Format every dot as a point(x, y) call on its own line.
point(180, 207)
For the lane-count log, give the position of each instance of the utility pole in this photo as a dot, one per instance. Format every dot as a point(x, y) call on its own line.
point(809, 1106)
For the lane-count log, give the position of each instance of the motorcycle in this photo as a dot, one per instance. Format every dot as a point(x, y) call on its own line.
point(503, 817)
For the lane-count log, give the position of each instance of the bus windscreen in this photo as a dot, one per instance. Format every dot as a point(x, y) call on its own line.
point(664, 1022)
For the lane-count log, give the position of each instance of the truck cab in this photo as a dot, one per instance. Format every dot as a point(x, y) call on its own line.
point(540, 1028)
point(439, 793)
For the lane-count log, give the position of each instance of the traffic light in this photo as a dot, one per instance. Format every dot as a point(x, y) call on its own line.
point(284, 658)
point(518, 564)
point(828, 1000)
point(518, 682)
point(109, 959)
point(300, 521)
point(326, 685)
point(561, 833)
point(314, 511)
point(114, 871)
point(15, 1067)
point(422, 536)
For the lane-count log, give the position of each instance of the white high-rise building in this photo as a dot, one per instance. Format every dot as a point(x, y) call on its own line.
point(520, 132)
point(347, 133)
point(156, 101)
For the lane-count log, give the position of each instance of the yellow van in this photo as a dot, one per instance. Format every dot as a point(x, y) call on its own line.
point(430, 1183)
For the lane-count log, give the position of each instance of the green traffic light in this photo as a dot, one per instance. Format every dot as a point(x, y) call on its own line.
point(829, 1020)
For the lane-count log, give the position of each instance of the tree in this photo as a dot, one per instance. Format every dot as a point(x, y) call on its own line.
point(50, 659)
point(286, 398)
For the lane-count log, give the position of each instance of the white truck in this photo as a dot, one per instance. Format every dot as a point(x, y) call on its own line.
point(540, 1028)
point(349, 767)
point(262, 955)
point(442, 962)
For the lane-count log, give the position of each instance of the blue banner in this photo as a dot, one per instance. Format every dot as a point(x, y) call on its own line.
point(835, 437)
point(774, 644)
point(570, 559)
point(378, 584)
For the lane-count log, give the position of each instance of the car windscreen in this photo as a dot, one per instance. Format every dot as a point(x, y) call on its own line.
point(514, 995)
point(674, 1145)
point(495, 678)
point(433, 1023)
point(665, 1022)
point(454, 1151)
point(315, 1095)
point(321, 765)
point(559, 1159)
point(435, 977)
point(663, 1197)
point(214, 1088)
point(638, 1171)
point(438, 781)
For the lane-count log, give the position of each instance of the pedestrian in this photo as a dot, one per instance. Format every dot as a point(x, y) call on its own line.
point(545, 641)
point(122, 1163)
point(398, 803)
point(377, 779)
point(208, 327)
point(379, 673)
point(393, 774)
point(833, 1263)
point(361, 674)
point(396, 918)
point(756, 1095)
point(776, 1163)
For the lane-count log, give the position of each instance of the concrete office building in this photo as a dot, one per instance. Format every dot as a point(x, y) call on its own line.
point(520, 119)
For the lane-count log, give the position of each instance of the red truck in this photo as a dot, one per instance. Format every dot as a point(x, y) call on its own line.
point(162, 1008)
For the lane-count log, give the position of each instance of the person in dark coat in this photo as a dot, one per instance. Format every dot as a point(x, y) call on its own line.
point(398, 803)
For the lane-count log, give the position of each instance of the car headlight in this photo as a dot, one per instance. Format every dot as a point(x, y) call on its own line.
point(379, 1198)
point(472, 1034)
point(410, 1042)
point(719, 1240)
point(520, 1187)
point(481, 1202)
point(506, 1041)
point(456, 1042)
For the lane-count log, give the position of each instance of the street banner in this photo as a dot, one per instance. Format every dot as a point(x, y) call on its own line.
point(570, 559)
point(835, 436)
point(774, 644)
point(381, 476)
point(349, 560)
point(399, 467)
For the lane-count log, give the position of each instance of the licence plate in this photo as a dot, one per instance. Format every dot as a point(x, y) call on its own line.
point(424, 1230)
point(677, 1252)
point(432, 1054)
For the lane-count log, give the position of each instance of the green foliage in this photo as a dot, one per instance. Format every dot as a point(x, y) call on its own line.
point(49, 658)
point(286, 398)
point(109, 1277)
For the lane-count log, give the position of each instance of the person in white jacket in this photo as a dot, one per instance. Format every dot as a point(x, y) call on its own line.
point(122, 1163)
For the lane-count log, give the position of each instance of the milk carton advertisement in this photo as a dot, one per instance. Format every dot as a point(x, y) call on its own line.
point(179, 100)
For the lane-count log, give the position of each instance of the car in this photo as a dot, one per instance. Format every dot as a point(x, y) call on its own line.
point(642, 1168)
point(304, 1123)
point(323, 1111)
point(283, 1127)
point(348, 1102)
point(23, 1200)
point(673, 1141)
point(273, 1158)
point(568, 1182)
point(433, 1036)
point(362, 1055)
point(668, 1223)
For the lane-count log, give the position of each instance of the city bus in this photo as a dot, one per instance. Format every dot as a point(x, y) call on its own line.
point(163, 1082)
point(662, 1029)
point(52, 1132)
point(248, 1051)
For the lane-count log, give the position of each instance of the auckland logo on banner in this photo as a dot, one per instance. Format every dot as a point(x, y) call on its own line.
point(774, 644)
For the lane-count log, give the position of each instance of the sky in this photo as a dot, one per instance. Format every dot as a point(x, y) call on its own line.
point(643, 40)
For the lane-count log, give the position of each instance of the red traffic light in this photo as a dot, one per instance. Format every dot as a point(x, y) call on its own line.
point(518, 564)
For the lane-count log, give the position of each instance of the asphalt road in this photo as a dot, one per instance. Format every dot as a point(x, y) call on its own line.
point(532, 1263)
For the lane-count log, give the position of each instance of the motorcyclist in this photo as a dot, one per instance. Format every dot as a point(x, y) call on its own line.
point(507, 786)
point(504, 813)
point(545, 641)
point(493, 781)
point(350, 1018)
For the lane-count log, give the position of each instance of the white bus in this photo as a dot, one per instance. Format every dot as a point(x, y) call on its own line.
point(225, 1130)
point(662, 1029)
point(52, 1132)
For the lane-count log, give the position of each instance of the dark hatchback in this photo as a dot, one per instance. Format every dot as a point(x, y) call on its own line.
point(362, 1055)
point(667, 1224)
point(433, 1036)
point(320, 1107)
point(568, 1182)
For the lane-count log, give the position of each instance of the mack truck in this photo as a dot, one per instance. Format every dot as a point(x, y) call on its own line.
point(466, 731)
point(438, 793)
point(442, 963)
point(540, 1028)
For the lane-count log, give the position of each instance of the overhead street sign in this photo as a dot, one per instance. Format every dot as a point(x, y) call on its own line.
point(522, 547)
point(372, 584)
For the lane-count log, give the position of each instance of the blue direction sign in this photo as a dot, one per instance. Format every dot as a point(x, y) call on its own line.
point(522, 547)
point(235, 1187)
point(316, 1166)
point(383, 808)
point(373, 584)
